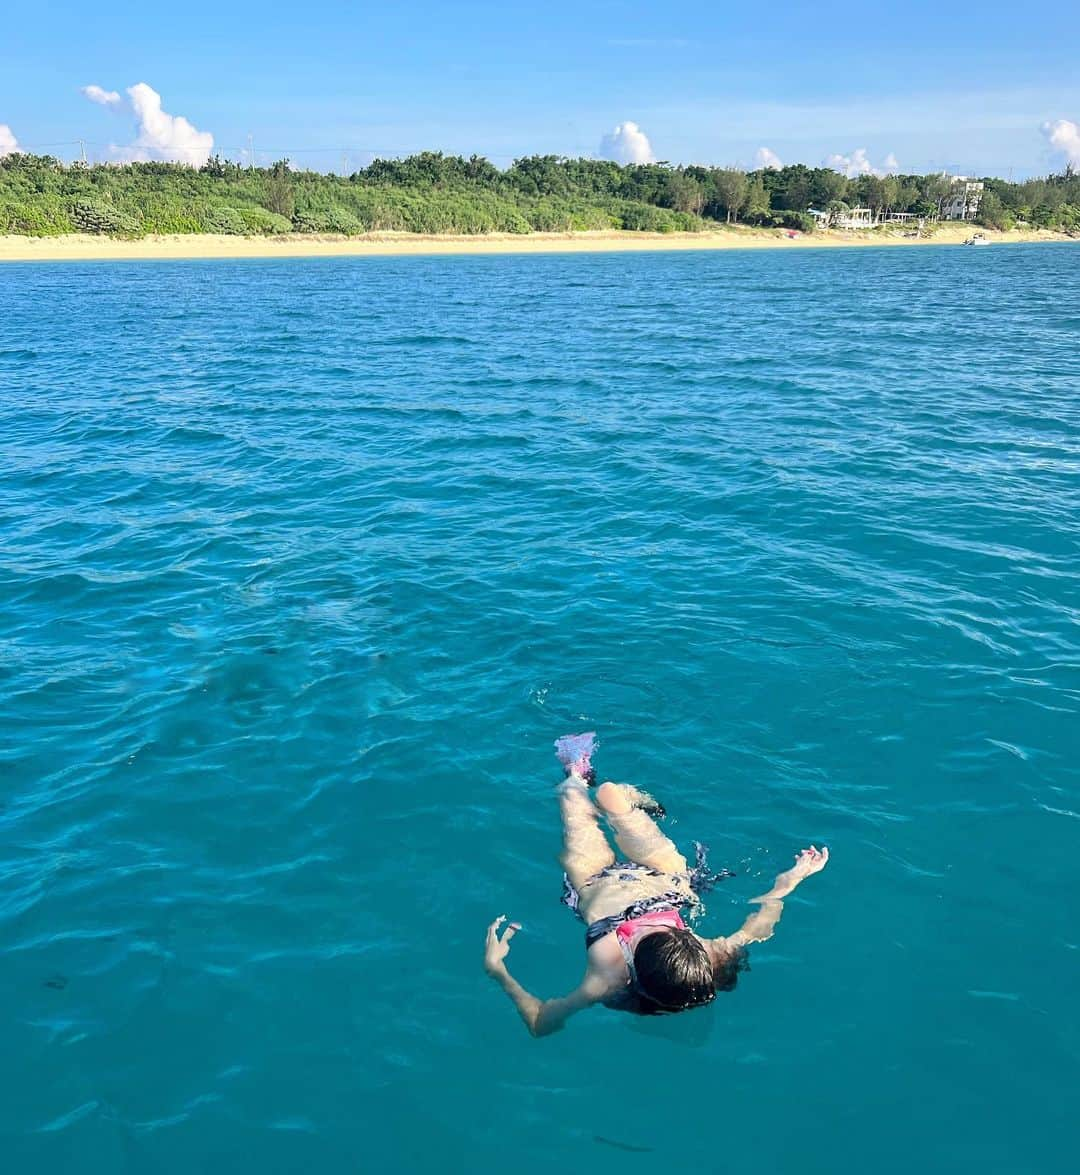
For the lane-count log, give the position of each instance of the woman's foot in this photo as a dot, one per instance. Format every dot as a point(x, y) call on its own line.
point(648, 804)
point(574, 752)
point(616, 799)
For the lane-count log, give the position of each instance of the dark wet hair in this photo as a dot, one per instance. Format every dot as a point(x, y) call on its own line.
point(674, 972)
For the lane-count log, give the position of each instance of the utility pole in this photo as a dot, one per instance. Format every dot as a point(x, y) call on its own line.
point(344, 164)
point(82, 152)
point(251, 152)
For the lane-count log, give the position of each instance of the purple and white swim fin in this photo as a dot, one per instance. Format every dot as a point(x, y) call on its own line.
point(575, 751)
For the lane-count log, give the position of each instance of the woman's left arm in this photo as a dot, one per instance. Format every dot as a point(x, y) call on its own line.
point(541, 1017)
point(760, 925)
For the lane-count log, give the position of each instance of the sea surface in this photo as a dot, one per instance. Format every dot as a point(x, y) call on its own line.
point(305, 564)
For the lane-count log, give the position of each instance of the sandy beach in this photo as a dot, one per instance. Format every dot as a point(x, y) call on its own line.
point(83, 247)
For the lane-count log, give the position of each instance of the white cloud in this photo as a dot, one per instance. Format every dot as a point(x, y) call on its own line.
point(764, 158)
point(102, 97)
point(1064, 138)
point(8, 143)
point(858, 163)
point(160, 135)
point(627, 143)
point(166, 135)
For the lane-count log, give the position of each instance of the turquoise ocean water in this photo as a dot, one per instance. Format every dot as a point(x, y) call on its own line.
point(304, 566)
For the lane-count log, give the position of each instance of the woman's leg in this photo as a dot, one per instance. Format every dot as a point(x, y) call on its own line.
point(585, 848)
point(637, 834)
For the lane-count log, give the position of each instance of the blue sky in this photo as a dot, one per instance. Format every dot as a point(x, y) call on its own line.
point(927, 83)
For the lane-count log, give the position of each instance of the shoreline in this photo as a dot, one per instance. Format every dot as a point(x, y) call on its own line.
point(84, 247)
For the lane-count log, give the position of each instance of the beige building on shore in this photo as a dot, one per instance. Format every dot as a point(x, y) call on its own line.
point(963, 200)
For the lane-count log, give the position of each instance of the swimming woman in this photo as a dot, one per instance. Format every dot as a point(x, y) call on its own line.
point(640, 955)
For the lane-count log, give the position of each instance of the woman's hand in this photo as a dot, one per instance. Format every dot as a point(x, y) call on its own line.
point(495, 948)
point(811, 860)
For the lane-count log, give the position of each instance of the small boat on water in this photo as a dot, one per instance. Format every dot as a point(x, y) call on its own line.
point(977, 239)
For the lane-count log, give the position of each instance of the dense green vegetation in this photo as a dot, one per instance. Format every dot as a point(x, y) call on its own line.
point(435, 193)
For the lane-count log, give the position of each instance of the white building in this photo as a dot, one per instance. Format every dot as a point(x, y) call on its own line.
point(856, 218)
point(963, 200)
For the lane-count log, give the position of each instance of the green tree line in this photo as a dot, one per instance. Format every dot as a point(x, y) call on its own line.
point(436, 193)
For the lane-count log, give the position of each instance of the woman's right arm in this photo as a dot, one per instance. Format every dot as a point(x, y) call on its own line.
point(541, 1017)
